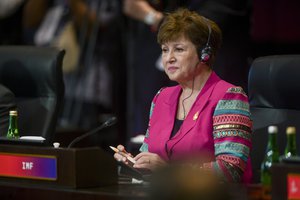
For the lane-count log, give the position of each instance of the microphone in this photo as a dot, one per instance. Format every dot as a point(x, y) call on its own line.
point(111, 121)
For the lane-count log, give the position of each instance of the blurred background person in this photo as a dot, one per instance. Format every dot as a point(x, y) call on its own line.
point(145, 75)
point(94, 71)
point(99, 76)
point(11, 30)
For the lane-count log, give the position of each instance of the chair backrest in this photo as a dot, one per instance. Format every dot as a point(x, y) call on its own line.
point(34, 75)
point(274, 95)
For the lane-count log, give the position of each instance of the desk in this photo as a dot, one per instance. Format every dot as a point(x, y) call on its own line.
point(87, 171)
point(122, 191)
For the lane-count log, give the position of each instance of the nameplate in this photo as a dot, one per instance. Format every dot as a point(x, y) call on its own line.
point(28, 166)
point(293, 186)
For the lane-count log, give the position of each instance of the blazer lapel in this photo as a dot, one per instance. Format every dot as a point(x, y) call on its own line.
point(195, 111)
point(171, 108)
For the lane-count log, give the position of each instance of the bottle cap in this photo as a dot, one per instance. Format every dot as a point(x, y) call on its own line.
point(272, 129)
point(56, 144)
point(290, 130)
point(13, 112)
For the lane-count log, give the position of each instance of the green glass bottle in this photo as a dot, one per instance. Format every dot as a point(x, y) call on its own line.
point(13, 131)
point(271, 157)
point(290, 149)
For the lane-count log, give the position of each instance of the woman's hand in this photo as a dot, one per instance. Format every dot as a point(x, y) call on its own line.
point(148, 161)
point(121, 156)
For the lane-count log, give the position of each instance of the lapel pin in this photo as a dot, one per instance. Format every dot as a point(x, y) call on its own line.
point(196, 116)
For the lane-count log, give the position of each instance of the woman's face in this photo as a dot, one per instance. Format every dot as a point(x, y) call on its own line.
point(180, 60)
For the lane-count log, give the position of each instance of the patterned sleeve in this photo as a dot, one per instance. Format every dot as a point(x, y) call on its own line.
point(232, 130)
point(144, 147)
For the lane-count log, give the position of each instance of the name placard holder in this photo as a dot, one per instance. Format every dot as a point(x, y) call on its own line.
point(72, 168)
point(28, 166)
point(285, 181)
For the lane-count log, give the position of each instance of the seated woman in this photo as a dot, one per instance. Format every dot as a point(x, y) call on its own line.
point(203, 116)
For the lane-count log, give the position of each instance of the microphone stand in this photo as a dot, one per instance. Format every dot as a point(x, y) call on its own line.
point(107, 123)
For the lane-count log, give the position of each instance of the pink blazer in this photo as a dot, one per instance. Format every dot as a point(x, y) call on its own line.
point(197, 135)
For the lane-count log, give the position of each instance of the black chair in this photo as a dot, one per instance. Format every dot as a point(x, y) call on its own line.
point(274, 94)
point(34, 75)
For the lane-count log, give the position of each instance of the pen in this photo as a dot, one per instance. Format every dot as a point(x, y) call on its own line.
point(123, 154)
